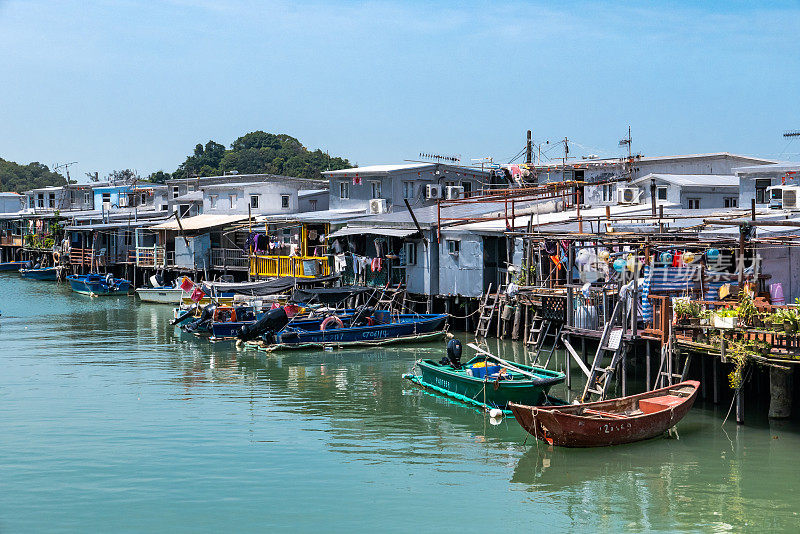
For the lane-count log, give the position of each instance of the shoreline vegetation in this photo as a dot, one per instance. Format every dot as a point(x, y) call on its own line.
point(253, 153)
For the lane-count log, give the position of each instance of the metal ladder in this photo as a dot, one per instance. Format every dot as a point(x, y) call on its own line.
point(670, 362)
point(611, 343)
point(550, 331)
point(487, 312)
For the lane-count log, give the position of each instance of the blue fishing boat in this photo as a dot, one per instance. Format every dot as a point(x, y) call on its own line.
point(97, 284)
point(42, 273)
point(12, 265)
point(364, 327)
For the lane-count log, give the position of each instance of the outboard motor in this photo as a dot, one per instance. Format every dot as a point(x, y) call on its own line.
point(270, 324)
point(203, 321)
point(185, 315)
point(454, 353)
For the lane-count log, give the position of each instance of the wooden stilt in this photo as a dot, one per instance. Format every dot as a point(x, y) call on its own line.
point(715, 378)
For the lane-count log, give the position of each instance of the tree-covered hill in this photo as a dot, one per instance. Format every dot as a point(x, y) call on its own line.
point(19, 178)
point(255, 153)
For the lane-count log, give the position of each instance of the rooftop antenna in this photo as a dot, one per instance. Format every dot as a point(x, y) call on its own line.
point(447, 158)
point(791, 133)
point(627, 142)
point(64, 166)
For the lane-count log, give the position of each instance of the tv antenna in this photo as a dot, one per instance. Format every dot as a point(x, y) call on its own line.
point(791, 133)
point(57, 168)
point(448, 158)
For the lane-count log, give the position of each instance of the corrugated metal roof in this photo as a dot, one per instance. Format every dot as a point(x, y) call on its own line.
point(373, 230)
point(380, 169)
point(693, 180)
point(200, 222)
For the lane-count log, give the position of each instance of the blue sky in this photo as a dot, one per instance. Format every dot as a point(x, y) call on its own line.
point(137, 84)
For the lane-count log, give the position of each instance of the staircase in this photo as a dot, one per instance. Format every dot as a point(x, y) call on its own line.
point(392, 299)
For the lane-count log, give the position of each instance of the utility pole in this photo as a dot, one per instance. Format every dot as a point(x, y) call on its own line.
point(627, 141)
point(566, 155)
point(528, 149)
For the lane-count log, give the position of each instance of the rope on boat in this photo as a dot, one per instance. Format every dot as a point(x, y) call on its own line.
point(344, 344)
point(457, 396)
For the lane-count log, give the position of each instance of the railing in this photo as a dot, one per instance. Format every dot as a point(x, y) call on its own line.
point(229, 258)
point(297, 266)
point(591, 309)
point(84, 256)
point(155, 256)
point(11, 240)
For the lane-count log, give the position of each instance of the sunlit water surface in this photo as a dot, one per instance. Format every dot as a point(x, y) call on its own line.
point(112, 420)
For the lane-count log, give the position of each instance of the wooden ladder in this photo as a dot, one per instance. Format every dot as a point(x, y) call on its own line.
point(392, 299)
point(608, 355)
point(487, 312)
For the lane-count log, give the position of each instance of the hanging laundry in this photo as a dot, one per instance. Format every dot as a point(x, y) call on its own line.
point(339, 263)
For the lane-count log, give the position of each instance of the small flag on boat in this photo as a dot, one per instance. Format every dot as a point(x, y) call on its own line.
point(187, 284)
point(197, 294)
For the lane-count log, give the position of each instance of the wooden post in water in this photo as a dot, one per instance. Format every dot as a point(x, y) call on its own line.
point(647, 364)
point(740, 405)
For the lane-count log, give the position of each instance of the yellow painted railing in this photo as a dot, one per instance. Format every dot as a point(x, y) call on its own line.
point(297, 266)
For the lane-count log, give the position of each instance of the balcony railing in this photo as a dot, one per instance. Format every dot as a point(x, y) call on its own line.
point(297, 266)
point(155, 256)
point(11, 240)
point(229, 258)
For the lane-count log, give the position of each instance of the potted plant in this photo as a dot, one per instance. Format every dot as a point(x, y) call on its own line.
point(726, 318)
point(790, 318)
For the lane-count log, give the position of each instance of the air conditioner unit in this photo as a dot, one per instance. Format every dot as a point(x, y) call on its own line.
point(628, 195)
point(790, 194)
point(433, 192)
point(452, 192)
point(377, 205)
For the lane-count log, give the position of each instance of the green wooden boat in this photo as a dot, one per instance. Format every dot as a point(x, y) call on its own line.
point(488, 383)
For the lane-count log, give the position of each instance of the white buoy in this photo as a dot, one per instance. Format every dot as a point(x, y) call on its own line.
point(496, 413)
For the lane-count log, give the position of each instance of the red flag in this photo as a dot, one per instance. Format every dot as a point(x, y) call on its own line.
point(356, 180)
point(197, 294)
point(187, 284)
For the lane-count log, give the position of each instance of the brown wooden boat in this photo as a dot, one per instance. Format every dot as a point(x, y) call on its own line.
point(610, 422)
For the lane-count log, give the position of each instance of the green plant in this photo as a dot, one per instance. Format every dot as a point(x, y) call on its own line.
point(741, 353)
point(687, 309)
point(747, 311)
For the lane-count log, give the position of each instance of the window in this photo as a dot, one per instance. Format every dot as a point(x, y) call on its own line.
point(453, 246)
point(761, 191)
point(284, 201)
point(72, 197)
point(176, 191)
point(312, 204)
point(233, 200)
point(86, 198)
point(40, 200)
point(106, 198)
point(344, 190)
point(164, 207)
point(254, 201)
point(731, 202)
point(376, 189)
point(411, 253)
point(608, 193)
point(408, 190)
point(212, 201)
point(287, 236)
point(467, 185)
point(694, 203)
point(143, 199)
point(51, 200)
point(31, 202)
point(661, 193)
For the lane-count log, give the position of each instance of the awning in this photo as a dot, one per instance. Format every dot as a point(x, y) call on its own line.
point(356, 230)
point(200, 222)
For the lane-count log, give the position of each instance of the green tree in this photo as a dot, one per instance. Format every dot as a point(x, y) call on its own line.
point(19, 178)
point(259, 152)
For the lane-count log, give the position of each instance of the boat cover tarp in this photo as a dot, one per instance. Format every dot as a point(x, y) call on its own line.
point(263, 287)
point(327, 295)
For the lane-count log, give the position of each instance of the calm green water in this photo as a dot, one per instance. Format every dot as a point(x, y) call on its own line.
point(111, 420)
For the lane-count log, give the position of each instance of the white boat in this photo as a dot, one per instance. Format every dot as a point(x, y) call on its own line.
point(160, 295)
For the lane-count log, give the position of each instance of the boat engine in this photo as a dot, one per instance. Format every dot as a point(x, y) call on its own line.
point(270, 324)
point(204, 321)
point(454, 353)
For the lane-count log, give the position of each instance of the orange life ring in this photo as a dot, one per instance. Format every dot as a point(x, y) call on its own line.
point(328, 321)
